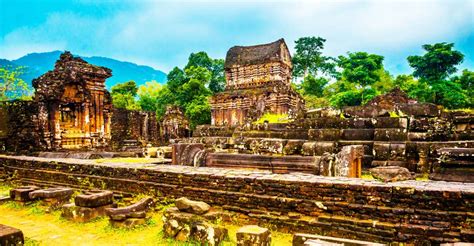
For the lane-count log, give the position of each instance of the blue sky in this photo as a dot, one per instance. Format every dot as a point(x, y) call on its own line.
point(162, 34)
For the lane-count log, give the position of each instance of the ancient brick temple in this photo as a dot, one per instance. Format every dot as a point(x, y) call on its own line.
point(74, 106)
point(174, 124)
point(258, 81)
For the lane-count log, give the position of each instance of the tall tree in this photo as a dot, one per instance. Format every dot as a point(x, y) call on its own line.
point(11, 85)
point(308, 58)
point(148, 95)
point(438, 63)
point(361, 68)
point(314, 86)
point(123, 95)
point(214, 66)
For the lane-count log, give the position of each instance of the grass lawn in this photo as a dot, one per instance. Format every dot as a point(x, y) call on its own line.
point(42, 228)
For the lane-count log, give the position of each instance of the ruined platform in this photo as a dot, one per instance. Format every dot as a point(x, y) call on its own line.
point(407, 211)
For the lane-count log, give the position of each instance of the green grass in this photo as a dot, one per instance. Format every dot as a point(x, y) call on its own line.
point(41, 227)
point(273, 118)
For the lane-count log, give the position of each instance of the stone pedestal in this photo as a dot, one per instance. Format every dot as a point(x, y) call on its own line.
point(88, 206)
point(10, 236)
point(253, 235)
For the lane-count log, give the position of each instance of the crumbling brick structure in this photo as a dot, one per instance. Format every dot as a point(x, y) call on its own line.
point(174, 124)
point(74, 106)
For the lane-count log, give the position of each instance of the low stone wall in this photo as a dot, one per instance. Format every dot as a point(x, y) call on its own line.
point(19, 128)
point(408, 211)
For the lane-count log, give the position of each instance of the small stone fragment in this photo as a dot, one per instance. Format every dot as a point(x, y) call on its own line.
point(391, 173)
point(253, 235)
point(195, 207)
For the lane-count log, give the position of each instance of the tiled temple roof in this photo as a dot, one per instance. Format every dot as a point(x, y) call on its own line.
point(255, 54)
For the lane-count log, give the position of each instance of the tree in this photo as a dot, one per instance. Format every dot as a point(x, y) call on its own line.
point(148, 95)
point(12, 86)
point(214, 66)
point(123, 95)
point(415, 89)
point(195, 87)
point(199, 111)
point(314, 86)
point(176, 79)
point(361, 68)
point(217, 83)
point(438, 63)
point(449, 94)
point(308, 58)
point(466, 81)
point(129, 87)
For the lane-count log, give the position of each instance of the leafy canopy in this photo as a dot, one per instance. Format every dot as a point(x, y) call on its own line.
point(12, 86)
point(308, 58)
point(438, 63)
point(361, 68)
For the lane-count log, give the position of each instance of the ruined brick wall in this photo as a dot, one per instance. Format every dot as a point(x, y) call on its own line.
point(19, 128)
point(136, 125)
point(411, 212)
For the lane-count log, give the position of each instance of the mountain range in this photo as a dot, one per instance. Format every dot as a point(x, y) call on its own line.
point(39, 63)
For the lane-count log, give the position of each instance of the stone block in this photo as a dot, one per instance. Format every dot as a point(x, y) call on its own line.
point(330, 122)
point(83, 214)
point(194, 207)
point(358, 134)
point(389, 151)
point(299, 239)
point(272, 145)
point(349, 161)
point(390, 134)
point(379, 163)
point(318, 148)
point(10, 236)
point(391, 122)
point(293, 147)
point(366, 111)
point(327, 134)
point(22, 193)
point(93, 199)
point(358, 123)
point(136, 210)
point(128, 223)
point(184, 226)
point(207, 234)
point(391, 173)
point(52, 196)
point(253, 235)
point(418, 136)
point(419, 109)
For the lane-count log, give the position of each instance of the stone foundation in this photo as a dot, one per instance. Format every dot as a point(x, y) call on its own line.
point(408, 211)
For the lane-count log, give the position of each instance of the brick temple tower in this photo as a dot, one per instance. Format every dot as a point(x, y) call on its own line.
point(74, 106)
point(258, 80)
